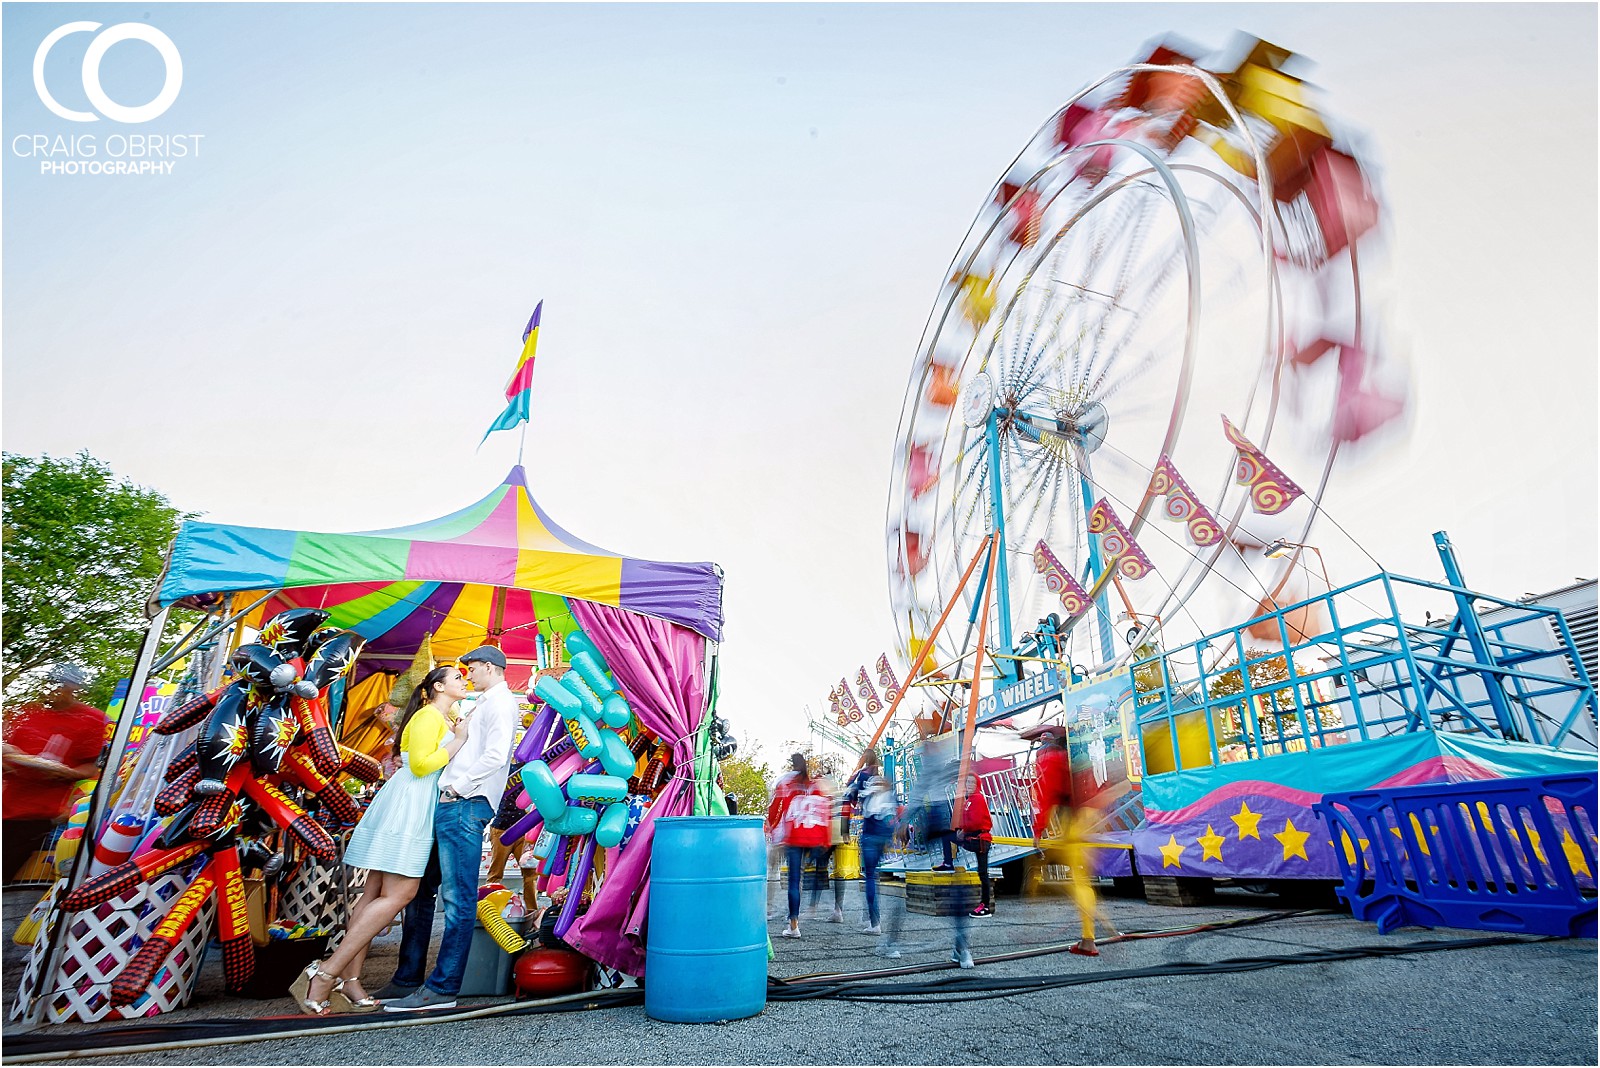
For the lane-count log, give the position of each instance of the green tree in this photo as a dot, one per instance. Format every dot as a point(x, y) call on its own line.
point(747, 777)
point(82, 550)
point(1277, 717)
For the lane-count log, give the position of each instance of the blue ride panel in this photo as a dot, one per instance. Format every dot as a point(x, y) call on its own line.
point(1497, 855)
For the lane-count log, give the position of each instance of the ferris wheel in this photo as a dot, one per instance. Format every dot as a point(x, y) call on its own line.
point(1172, 246)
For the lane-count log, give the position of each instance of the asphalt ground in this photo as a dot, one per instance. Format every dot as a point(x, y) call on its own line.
point(1532, 1002)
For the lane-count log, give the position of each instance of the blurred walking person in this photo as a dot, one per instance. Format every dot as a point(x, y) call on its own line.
point(873, 796)
point(973, 827)
point(928, 808)
point(829, 857)
point(799, 817)
point(776, 848)
point(50, 744)
point(1054, 789)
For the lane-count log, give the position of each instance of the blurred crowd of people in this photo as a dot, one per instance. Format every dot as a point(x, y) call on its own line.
point(810, 819)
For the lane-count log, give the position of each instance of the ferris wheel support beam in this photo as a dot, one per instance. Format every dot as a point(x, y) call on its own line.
point(927, 646)
point(996, 554)
point(998, 571)
point(1096, 576)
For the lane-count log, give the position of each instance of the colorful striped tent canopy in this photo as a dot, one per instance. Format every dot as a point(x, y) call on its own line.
point(489, 571)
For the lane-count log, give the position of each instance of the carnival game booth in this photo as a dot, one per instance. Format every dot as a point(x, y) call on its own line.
point(622, 653)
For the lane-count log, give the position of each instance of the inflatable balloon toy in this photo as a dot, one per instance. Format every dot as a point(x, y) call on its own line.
point(489, 914)
point(582, 787)
point(274, 711)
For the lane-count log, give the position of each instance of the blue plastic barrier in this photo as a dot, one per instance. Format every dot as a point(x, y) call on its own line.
point(706, 947)
point(1494, 854)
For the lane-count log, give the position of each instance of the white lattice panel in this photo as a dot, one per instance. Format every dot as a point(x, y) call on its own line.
point(99, 942)
point(312, 895)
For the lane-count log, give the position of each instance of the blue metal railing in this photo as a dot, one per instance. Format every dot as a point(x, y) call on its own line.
point(1378, 676)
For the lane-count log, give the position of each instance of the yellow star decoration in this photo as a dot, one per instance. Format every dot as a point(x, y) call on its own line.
point(1171, 853)
point(1574, 852)
point(1419, 841)
point(1210, 844)
point(1294, 841)
point(1534, 841)
point(1247, 822)
point(1344, 840)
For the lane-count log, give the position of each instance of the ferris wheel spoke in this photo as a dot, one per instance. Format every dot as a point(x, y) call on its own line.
point(1058, 383)
point(1154, 290)
point(1040, 467)
point(1031, 350)
point(1134, 242)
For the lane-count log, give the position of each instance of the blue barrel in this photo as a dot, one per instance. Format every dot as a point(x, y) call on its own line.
point(706, 946)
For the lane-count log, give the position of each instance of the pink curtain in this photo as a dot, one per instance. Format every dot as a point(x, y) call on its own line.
point(657, 665)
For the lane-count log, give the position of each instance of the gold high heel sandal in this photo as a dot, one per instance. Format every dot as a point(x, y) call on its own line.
point(300, 989)
point(364, 1004)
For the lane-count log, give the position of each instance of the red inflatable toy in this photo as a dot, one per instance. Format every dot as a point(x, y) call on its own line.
point(548, 973)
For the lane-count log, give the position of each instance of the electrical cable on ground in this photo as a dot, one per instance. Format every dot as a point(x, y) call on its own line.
point(1062, 947)
point(28, 1049)
point(981, 988)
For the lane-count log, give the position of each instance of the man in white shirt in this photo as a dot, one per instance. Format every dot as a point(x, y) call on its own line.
point(469, 789)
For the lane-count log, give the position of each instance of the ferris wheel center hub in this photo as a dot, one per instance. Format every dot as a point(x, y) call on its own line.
point(1089, 425)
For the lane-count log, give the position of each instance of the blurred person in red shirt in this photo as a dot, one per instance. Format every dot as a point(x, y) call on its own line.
point(800, 817)
point(974, 825)
point(1054, 793)
point(49, 745)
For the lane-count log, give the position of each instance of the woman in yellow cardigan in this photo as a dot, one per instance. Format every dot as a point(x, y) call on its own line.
point(392, 841)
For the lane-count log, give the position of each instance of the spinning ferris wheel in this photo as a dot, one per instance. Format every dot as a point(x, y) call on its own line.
point(1173, 246)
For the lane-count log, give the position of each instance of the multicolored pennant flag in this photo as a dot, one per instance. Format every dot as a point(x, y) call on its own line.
point(834, 707)
point(886, 677)
point(1271, 491)
point(1059, 581)
point(868, 695)
point(1182, 505)
point(519, 389)
point(847, 701)
point(1116, 543)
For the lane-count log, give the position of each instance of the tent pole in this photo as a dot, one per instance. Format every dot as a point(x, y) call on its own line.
point(179, 650)
point(55, 920)
point(219, 657)
point(708, 668)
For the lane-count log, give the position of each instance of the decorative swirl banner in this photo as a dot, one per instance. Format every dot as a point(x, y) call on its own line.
point(886, 677)
point(1117, 544)
point(847, 702)
point(1059, 581)
point(1271, 491)
point(868, 694)
point(834, 706)
point(1182, 505)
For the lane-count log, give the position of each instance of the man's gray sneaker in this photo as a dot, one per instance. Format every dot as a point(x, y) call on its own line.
point(420, 1000)
point(394, 992)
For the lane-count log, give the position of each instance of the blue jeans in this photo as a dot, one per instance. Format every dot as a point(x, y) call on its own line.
point(458, 828)
point(936, 825)
point(872, 847)
point(416, 930)
point(797, 859)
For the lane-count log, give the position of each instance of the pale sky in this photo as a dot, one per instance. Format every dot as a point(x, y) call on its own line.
point(738, 218)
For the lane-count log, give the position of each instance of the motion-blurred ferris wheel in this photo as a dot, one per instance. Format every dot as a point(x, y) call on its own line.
point(1174, 245)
